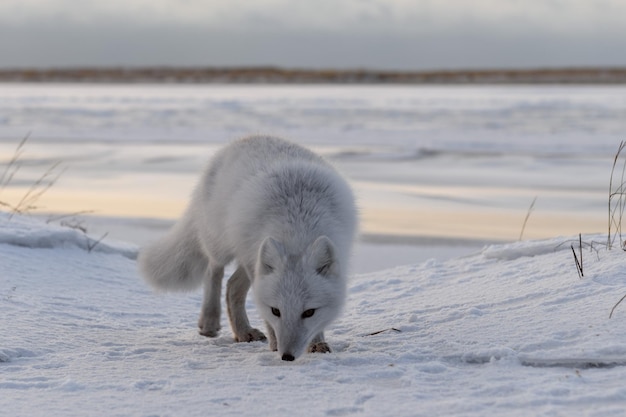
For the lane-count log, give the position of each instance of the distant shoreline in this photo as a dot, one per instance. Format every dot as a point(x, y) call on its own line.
point(272, 75)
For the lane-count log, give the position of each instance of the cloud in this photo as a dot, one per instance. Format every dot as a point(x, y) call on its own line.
point(322, 33)
point(394, 16)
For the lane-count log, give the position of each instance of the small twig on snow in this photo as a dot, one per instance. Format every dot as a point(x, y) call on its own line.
point(91, 245)
point(615, 306)
point(579, 268)
point(580, 250)
point(384, 330)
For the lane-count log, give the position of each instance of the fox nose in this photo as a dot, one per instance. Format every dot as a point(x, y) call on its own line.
point(288, 357)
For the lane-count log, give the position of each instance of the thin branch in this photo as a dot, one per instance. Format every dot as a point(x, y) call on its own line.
point(38, 189)
point(530, 210)
point(615, 306)
point(12, 167)
point(77, 225)
point(393, 329)
point(91, 246)
point(3, 204)
point(65, 216)
point(620, 202)
point(578, 267)
point(580, 249)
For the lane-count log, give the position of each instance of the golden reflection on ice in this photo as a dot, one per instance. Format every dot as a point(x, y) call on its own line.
point(401, 210)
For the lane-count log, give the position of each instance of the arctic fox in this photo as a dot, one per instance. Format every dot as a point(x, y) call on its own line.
point(288, 219)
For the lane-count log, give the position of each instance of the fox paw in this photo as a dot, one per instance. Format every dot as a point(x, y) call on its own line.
point(208, 328)
point(251, 335)
point(319, 347)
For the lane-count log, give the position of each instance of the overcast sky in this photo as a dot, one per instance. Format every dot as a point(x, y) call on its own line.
point(381, 34)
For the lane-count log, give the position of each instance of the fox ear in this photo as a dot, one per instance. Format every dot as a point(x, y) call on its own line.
point(270, 256)
point(323, 255)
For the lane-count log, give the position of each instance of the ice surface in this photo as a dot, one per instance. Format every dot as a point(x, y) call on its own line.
point(488, 119)
point(425, 161)
point(508, 331)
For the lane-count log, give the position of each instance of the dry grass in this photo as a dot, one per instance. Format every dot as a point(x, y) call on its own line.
point(29, 201)
point(617, 200)
point(13, 165)
point(615, 306)
point(528, 212)
point(617, 205)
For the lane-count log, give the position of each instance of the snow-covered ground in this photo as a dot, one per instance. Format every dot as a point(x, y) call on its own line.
point(510, 331)
point(443, 317)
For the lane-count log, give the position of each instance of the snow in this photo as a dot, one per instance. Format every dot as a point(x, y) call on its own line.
point(443, 316)
point(510, 330)
point(22, 233)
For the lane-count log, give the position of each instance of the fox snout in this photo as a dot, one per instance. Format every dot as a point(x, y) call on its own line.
point(291, 346)
point(290, 353)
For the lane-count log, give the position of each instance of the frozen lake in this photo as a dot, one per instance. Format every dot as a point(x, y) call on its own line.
point(431, 165)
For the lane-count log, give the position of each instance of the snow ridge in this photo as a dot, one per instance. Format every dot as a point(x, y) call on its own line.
point(31, 233)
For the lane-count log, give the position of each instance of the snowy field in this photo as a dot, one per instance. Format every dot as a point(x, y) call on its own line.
point(509, 331)
point(447, 313)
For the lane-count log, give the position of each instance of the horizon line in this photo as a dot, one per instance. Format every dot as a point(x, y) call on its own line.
point(277, 74)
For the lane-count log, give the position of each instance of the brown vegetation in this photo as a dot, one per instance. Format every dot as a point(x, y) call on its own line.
point(271, 75)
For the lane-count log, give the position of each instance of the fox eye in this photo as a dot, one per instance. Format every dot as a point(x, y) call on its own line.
point(308, 313)
point(323, 270)
point(275, 311)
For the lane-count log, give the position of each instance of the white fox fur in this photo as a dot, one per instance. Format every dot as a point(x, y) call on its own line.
point(288, 219)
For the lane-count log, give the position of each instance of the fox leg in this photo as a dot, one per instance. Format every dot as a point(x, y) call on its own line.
point(318, 344)
point(236, 291)
point(272, 336)
point(209, 321)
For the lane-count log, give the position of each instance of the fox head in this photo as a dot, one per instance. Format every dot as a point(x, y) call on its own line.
point(298, 295)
